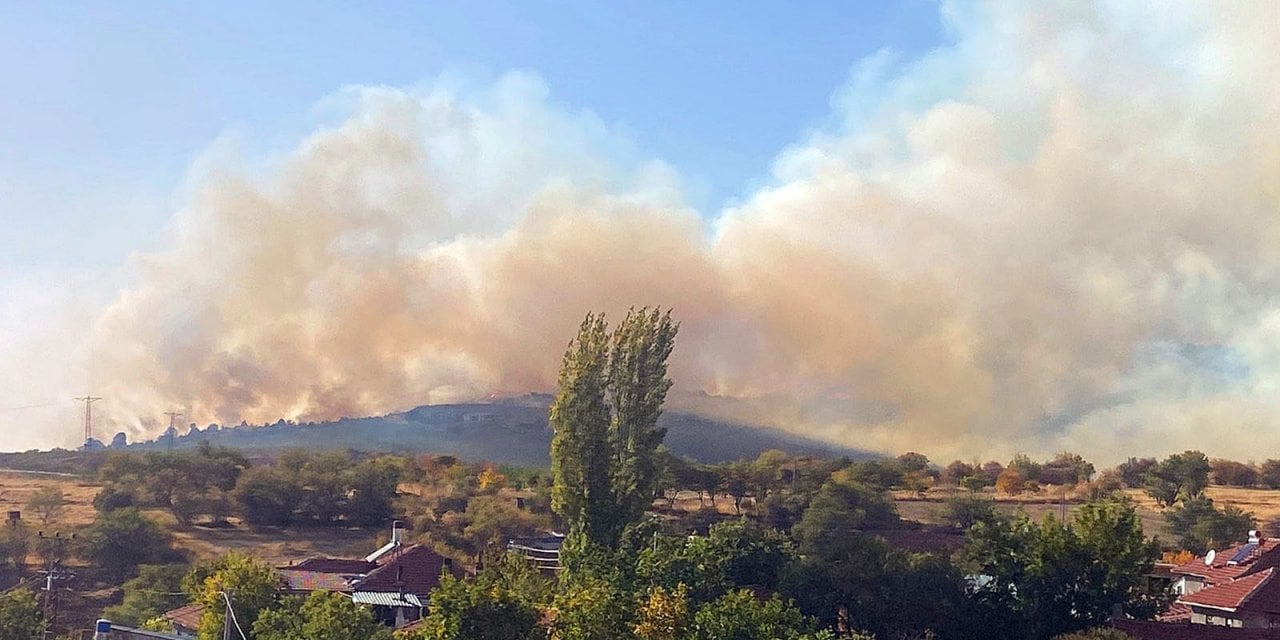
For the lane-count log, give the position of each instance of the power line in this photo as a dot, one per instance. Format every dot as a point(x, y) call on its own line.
point(28, 406)
point(173, 430)
point(88, 417)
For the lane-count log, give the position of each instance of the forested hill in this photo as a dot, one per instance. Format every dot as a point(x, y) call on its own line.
point(510, 431)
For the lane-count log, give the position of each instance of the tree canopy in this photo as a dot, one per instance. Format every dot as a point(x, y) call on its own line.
point(604, 451)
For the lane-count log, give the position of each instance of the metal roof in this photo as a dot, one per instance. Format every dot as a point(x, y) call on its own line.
point(387, 599)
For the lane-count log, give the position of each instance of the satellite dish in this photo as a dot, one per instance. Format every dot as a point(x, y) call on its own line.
point(1208, 557)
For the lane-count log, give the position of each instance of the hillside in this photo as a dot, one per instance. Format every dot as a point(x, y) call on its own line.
point(511, 431)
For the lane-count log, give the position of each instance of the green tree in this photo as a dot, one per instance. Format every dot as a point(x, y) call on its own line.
point(322, 615)
point(267, 496)
point(148, 595)
point(485, 608)
point(1066, 468)
point(20, 616)
point(1199, 526)
point(732, 554)
point(637, 387)
point(47, 502)
point(122, 539)
point(880, 474)
point(492, 520)
point(1133, 472)
point(1232, 473)
point(251, 585)
point(588, 607)
point(604, 451)
point(374, 484)
point(15, 545)
point(663, 615)
point(739, 615)
point(839, 509)
point(581, 460)
point(1179, 477)
point(1056, 578)
point(1024, 465)
point(964, 511)
point(912, 462)
point(1269, 474)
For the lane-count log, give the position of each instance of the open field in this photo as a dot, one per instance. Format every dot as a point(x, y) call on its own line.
point(274, 546)
point(16, 488)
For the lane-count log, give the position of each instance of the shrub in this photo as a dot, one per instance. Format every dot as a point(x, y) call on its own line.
point(123, 539)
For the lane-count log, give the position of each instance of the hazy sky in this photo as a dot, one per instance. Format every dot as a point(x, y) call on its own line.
point(106, 104)
point(966, 227)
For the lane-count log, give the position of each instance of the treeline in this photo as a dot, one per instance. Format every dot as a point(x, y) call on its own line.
point(825, 575)
point(213, 483)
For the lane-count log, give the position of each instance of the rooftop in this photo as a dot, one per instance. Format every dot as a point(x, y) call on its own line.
point(415, 570)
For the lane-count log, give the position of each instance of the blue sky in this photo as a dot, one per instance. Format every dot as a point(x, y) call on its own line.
point(106, 104)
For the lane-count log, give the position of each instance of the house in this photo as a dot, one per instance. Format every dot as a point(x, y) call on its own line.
point(542, 551)
point(1220, 567)
point(105, 630)
point(1234, 593)
point(395, 581)
point(399, 588)
point(185, 620)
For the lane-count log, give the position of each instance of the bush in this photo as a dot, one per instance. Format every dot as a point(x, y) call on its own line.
point(113, 497)
point(1133, 472)
point(267, 497)
point(1232, 473)
point(1096, 633)
point(15, 545)
point(964, 511)
point(20, 616)
point(1010, 482)
point(123, 539)
point(148, 595)
point(1269, 474)
point(1181, 476)
point(1199, 526)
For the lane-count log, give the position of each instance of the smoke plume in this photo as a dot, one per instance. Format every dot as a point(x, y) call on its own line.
point(1060, 231)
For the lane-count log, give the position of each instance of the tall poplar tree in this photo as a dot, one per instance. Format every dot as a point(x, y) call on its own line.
point(580, 457)
point(638, 386)
point(604, 450)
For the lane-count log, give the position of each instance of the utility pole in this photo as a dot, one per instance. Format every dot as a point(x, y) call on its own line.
point(54, 548)
point(226, 617)
point(173, 430)
point(88, 417)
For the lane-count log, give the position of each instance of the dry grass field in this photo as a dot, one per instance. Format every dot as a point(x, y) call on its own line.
point(274, 546)
point(282, 546)
point(1264, 504)
point(16, 489)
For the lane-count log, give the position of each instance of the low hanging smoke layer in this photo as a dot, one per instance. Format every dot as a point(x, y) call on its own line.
point(1060, 232)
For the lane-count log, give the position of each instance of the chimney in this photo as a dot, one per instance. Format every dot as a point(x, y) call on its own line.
point(1254, 537)
point(397, 532)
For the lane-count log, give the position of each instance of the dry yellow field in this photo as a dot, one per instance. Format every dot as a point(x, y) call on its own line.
point(274, 546)
point(16, 488)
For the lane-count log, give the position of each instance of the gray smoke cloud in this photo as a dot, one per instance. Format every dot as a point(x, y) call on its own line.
point(1059, 232)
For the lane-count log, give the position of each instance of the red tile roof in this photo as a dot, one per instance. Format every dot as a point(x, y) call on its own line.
point(414, 570)
point(1264, 557)
point(1229, 595)
point(187, 617)
point(315, 581)
point(1148, 630)
point(1177, 612)
point(334, 565)
point(1265, 599)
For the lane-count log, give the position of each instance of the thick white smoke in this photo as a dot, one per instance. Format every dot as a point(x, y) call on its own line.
point(1060, 232)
